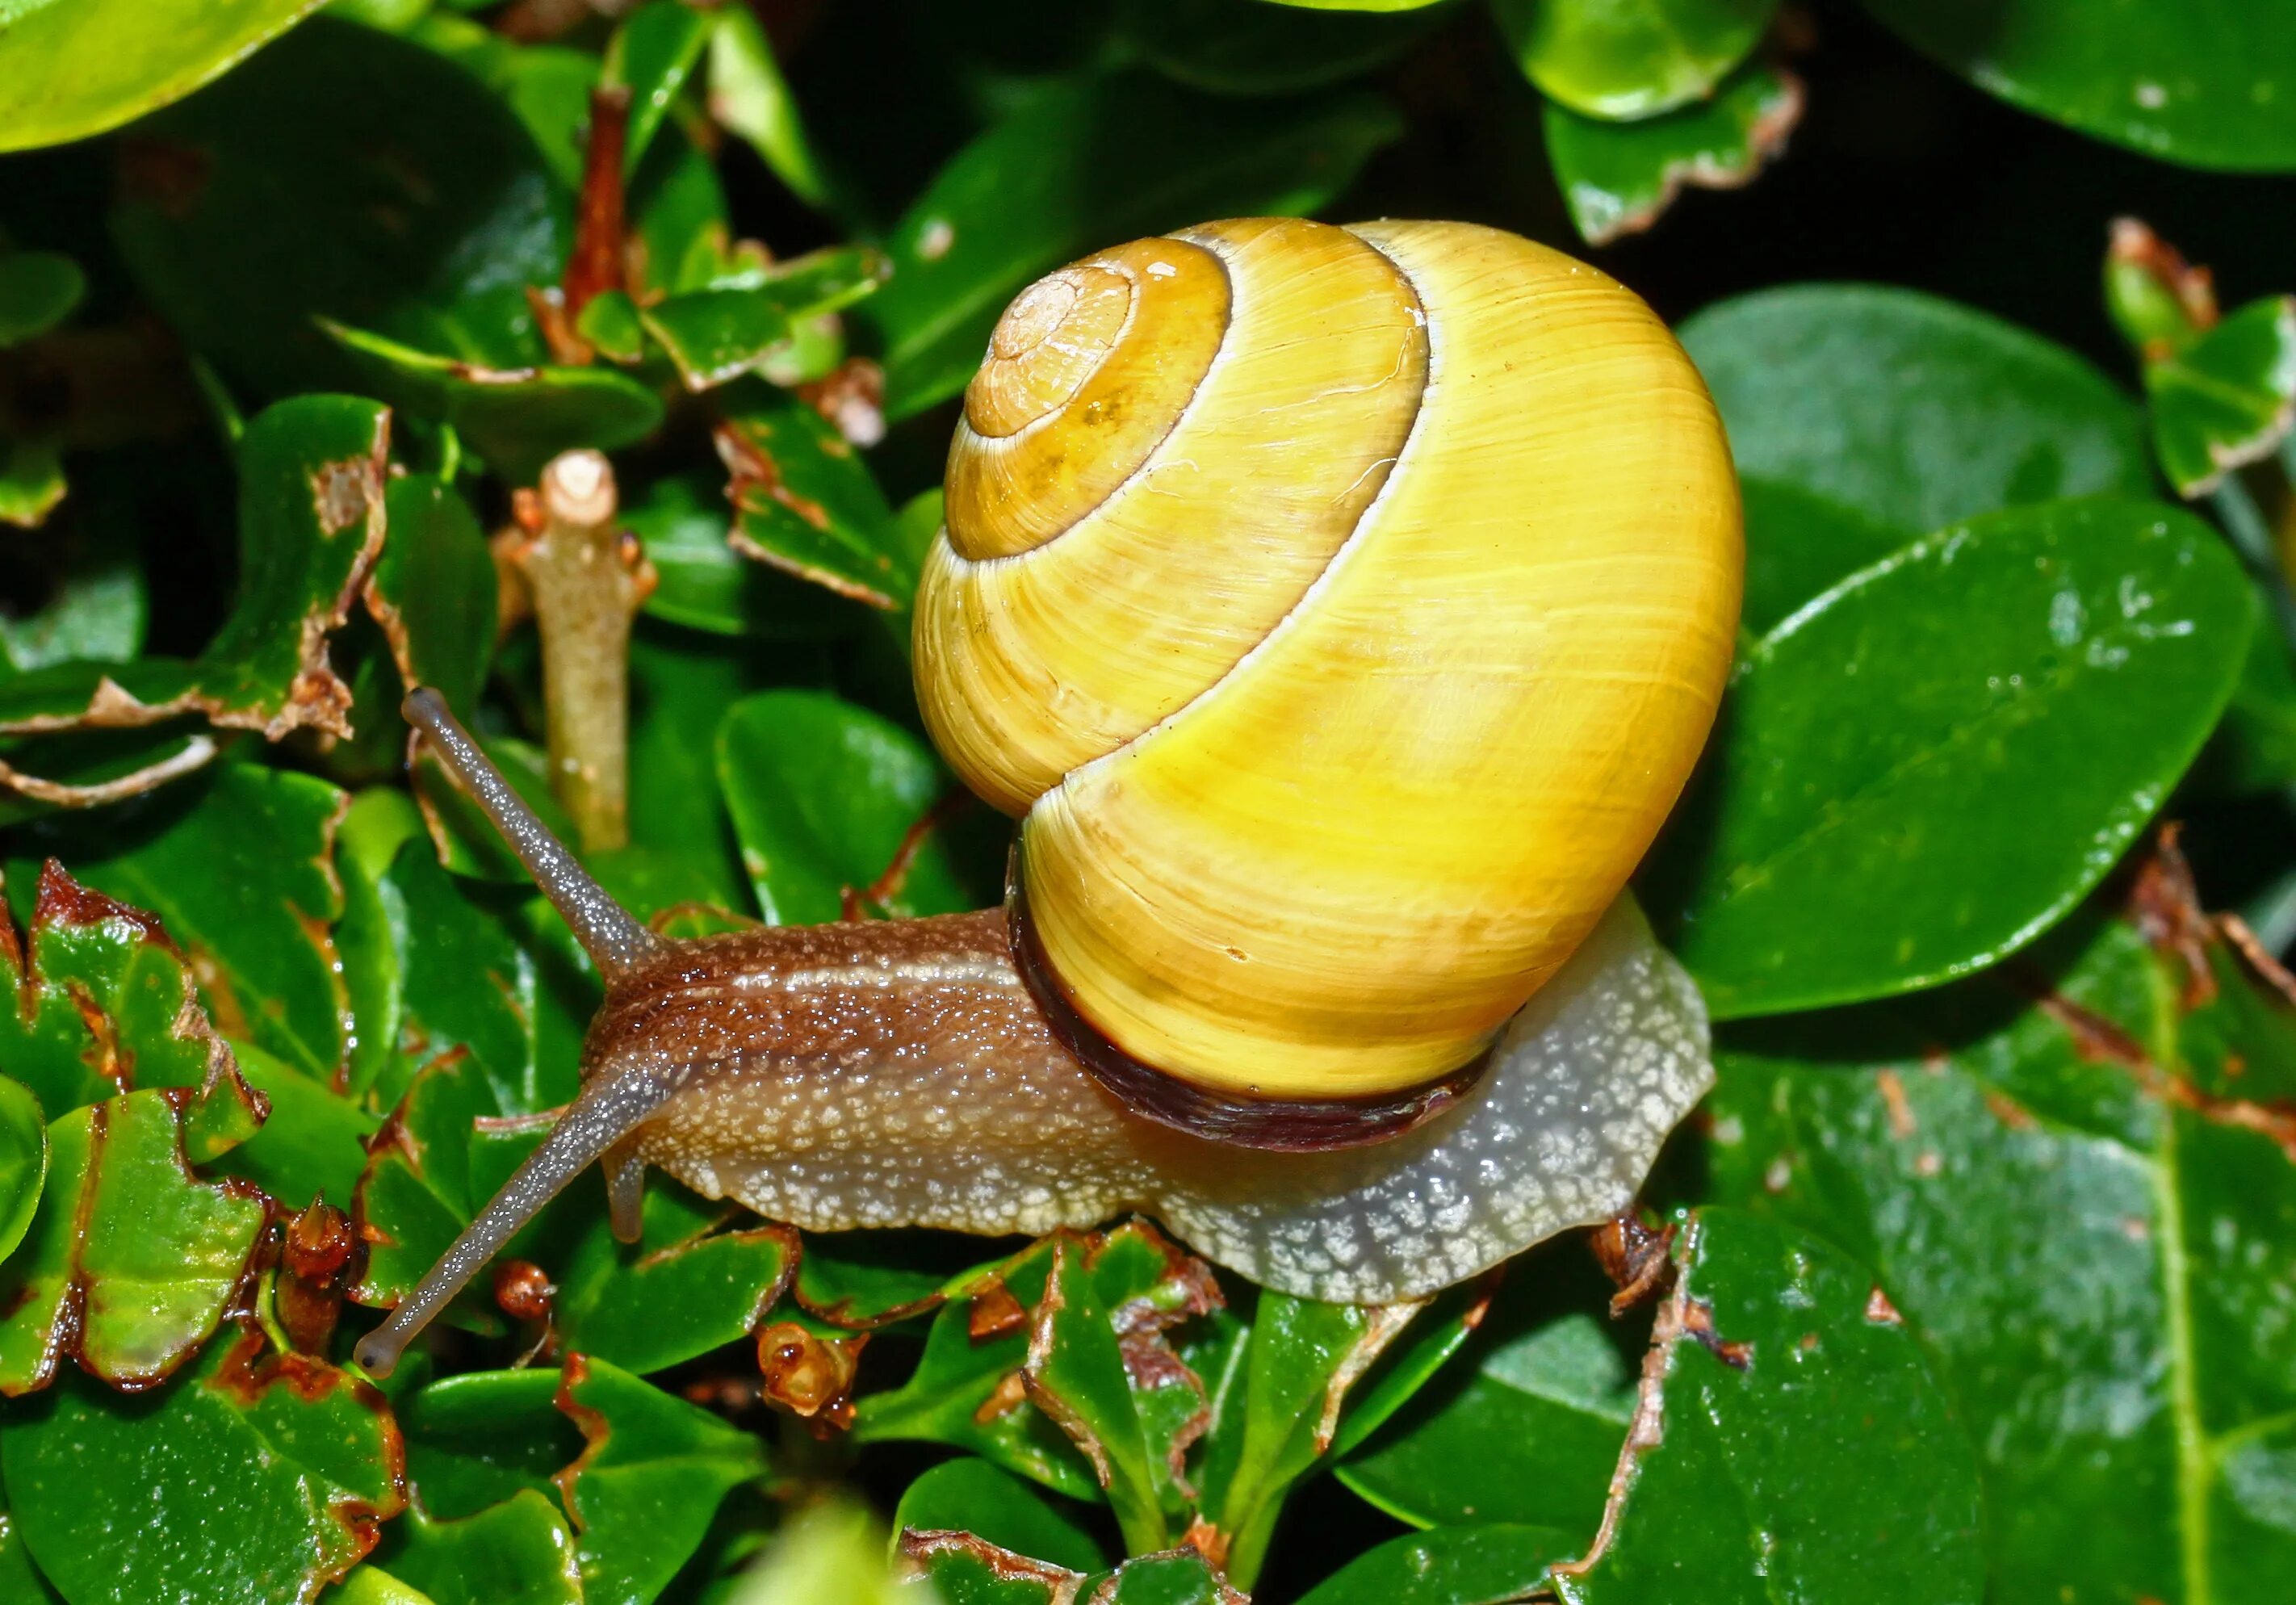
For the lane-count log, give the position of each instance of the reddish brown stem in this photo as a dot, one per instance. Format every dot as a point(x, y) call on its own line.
point(599, 260)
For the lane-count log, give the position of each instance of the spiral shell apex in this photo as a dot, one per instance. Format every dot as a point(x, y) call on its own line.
point(1343, 610)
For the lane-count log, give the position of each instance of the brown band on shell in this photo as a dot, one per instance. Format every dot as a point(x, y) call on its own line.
point(1276, 1125)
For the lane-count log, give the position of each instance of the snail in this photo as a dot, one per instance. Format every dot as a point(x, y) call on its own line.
point(1341, 612)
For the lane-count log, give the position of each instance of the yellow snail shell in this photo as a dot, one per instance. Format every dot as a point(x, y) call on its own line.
point(1342, 609)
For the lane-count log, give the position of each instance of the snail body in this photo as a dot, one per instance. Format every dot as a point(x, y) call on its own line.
point(1342, 610)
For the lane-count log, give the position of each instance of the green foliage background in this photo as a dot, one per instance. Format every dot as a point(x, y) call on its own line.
point(1982, 1276)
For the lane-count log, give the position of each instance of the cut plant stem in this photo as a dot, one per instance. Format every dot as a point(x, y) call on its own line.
point(587, 579)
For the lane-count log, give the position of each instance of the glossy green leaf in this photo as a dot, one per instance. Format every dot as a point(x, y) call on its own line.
point(2203, 82)
point(1488, 1565)
point(1799, 544)
point(421, 210)
point(38, 290)
point(1622, 59)
point(970, 1495)
point(517, 418)
point(2227, 398)
point(312, 1143)
point(1525, 1428)
point(1781, 1378)
point(652, 55)
point(705, 584)
point(964, 1570)
point(19, 1579)
point(720, 1268)
point(822, 793)
point(1250, 47)
point(432, 592)
point(129, 1260)
point(1907, 410)
point(23, 1161)
point(805, 501)
point(749, 97)
point(479, 1437)
point(517, 1553)
point(267, 1476)
point(1619, 177)
point(1927, 766)
point(237, 865)
point(32, 482)
point(2059, 1179)
point(75, 68)
point(1076, 1374)
point(713, 336)
point(1066, 174)
point(649, 1479)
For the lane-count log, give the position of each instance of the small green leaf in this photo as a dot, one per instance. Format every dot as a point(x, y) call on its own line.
point(1065, 173)
point(2226, 399)
point(71, 69)
point(302, 1457)
point(1781, 1378)
point(750, 99)
point(38, 290)
point(653, 51)
point(31, 481)
point(805, 503)
point(822, 793)
point(970, 1495)
point(517, 418)
point(1924, 769)
point(517, 1553)
point(1075, 1373)
point(610, 323)
point(1619, 177)
point(705, 584)
point(1487, 1565)
point(721, 1283)
point(432, 595)
point(2201, 82)
point(1622, 59)
point(649, 1477)
point(23, 1161)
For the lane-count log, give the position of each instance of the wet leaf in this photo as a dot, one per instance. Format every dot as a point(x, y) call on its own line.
point(23, 1161)
point(705, 584)
point(1774, 1373)
point(1925, 768)
point(2227, 398)
point(1624, 59)
point(1488, 1565)
point(38, 290)
point(2068, 1183)
point(652, 52)
point(1064, 174)
point(805, 503)
point(79, 68)
point(740, 325)
point(969, 1495)
point(822, 794)
point(1619, 177)
point(269, 1476)
point(2203, 82)
point(719, 1268)
point(129, 1261)
point(517, 1553)
point(236, 864)
point(518, 418)
point(648, 1481)
point(422, 210)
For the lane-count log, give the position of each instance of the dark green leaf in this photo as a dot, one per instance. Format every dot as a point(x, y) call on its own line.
point(1622, 59)
point(266, 1475)
point(822, 793)
point(1067, 173)
point(312, 1145)
point(517, 418)
point(705, 584)
point(1781, 1379)
point(38, 290)
point(1924, 769)
point(517, 1553)
point(421, 210)
point(969, 1495)
point(1250, 47)
point(749, 97)
point(70, 69)
point(805, 503)
point(966, 1571)
point(1075, 1373)
point(650, 56)
point(23, 1161)
point(2062, 1180)
point(648, 1481)
point(432, 592)
point(20, 1580)
point(1799, 544)
point(238, 867)
point(1489, 1565)
point(1619, 177)
point(2203, 82)
point(2226, 399)
point(720, 1282)
point(476, 1440)
point(1907, 410)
